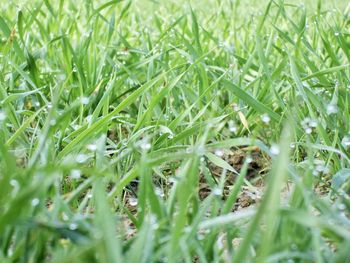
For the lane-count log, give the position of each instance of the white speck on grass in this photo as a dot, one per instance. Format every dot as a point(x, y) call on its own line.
point(345, 142)
point(275, 150)
point(145, 146)
point(133, 201)
point(75, 174)
point(35, 202)
point(308, 124)
point(85, 100)
point(232, 126)
point(249, 159)
point(219, 152)
point(53, 122)
point(341, 207)
point(81, 158)
point(331, 109)
point(73, 226)
point(159, 192)
point(217, 191)
point(65, 217)
point(308, 130)
point(313, 123)
point(2, 116)
point(91, 147)
point(14, 183)
point(265, 118)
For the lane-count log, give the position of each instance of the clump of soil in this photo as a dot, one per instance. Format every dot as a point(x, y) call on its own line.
point(258, 166)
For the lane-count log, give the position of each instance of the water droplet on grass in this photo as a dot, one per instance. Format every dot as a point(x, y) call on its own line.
point(14, 183)
point(331, 109)
point(133, 201)
point(53, 122)
point(35, 202)
point(265, 118)
point(75, 174)
point(341, 207)
point(275, 150)
point(64, 216)
point(217, 191)
point(73, 226)
point(308, 130)
point(159, 192)
point(91, 147)
point(81, 158)
point(345, 142)
point(85, 100)
point(2, 116)
point(232, 126)
point(219, 152)
point(145, 146)
point(313, 123)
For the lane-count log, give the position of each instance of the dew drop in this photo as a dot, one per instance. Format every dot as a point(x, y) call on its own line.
point(232, 127)
point(145, 146)
point(341, 207)
point(53, 122)
point(73, 226)
point(308, 130)
point(133, 201)
point(217, 191)
point(2, 116)
point(159, 192)
point(313, 123)
point(275, 150)
point(35, 202)
point(75, 174)
point(249, 159)
point(265, 118)
point(200, 150)
point(91, 147)
point(81, 158)
point(345, 142)
point(65, 217)
point(85, 100)
point(332, 109)
point(219, 152)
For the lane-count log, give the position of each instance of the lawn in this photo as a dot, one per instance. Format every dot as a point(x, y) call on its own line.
point(174, 131)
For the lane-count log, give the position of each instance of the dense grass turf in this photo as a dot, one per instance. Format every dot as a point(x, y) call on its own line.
point(111, 112)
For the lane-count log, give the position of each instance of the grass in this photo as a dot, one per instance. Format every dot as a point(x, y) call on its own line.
point(111, 111)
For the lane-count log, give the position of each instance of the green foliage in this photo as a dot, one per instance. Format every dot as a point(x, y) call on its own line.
point(96, 96)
